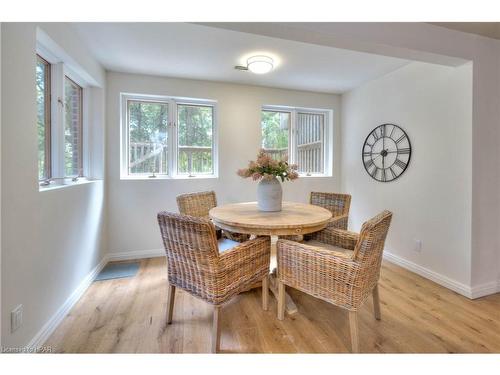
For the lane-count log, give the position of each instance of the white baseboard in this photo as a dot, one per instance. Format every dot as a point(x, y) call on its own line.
point(485, 289)
point(445, 281)
point(471, 292)
point(61, 313)
point(139, 254)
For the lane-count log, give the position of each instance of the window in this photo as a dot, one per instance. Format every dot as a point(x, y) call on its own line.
point(43, 116)
point(73, 158)
point(302, 135)
point(60, 99)
point(167, 137)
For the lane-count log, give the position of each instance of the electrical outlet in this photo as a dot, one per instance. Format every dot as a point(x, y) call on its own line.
point(16, 318)
point(418, 246)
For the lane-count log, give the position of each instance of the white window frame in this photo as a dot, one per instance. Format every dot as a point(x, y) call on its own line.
point(58, 71)
point(327, 135)
point(173, 139)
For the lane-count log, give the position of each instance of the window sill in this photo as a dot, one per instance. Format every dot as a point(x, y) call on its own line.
point(162, 177)
point(315, 176)
point(65, 184)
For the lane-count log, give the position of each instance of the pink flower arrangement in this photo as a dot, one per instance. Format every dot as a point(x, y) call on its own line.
point(265, 167)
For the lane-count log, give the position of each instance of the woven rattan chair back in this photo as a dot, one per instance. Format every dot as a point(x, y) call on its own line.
point(197, 204)
point(192, 253)
point(370, 246)
point(337, 204)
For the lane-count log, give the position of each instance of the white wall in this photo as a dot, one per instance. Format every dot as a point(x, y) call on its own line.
point(51, 239)
point(431, 201)
point(133, 205)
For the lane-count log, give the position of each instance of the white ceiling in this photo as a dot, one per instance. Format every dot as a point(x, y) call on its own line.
point(209, 53)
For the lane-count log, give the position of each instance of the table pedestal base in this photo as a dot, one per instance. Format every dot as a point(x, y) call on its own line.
point(290, 306)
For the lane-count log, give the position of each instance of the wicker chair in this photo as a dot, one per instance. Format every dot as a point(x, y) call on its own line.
point(337, 266)
point(337, 204)
point(199, 204)
point(196, 264)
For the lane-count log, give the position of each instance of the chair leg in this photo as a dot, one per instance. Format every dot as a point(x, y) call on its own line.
point(170, 303)
point(376, 302)
point(281, 300)
point(353, 323)
point(216, 330)
point(265, 293)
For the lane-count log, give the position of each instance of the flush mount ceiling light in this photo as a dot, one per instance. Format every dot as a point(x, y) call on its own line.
point(259, 64)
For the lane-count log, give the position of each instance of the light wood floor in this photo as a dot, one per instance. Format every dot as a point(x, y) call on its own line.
point(128, 316)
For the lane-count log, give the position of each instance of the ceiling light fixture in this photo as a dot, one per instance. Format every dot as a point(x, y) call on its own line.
point(259, 64)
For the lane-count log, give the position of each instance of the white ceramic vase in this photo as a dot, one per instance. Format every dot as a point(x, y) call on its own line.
point(269, 195)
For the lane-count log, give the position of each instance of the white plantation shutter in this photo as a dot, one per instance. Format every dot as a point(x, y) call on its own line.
point(309, 148)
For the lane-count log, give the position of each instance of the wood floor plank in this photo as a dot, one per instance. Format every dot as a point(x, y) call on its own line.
point(418, 316)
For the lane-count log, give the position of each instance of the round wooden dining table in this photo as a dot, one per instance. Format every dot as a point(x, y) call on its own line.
point(293, 219)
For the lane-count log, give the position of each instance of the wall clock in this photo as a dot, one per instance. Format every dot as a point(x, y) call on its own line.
point(386, 152)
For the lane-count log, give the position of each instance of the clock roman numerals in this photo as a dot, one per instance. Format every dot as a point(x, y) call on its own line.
point(400, 139)
point(392, 131)
point(383, 178)
point(400, 164)
point(403, 151)
point(394, 175)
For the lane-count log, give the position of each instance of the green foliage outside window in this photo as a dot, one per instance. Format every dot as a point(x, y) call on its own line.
point(275, 127)
point(148, 123)
point(195, 139)
point(41, 99)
